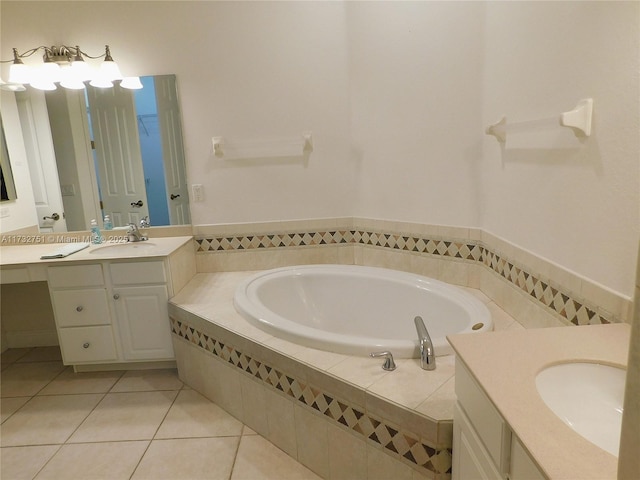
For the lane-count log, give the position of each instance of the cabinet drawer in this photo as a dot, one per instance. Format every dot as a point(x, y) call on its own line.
point(76, 276)
point(87, 344)
point(75, 308)
point(492, 429)
point(137, 273)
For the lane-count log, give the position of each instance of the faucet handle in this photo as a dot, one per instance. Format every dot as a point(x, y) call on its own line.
point(388, 364)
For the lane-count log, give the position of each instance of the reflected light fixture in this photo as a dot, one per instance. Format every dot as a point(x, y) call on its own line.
point(65, 66)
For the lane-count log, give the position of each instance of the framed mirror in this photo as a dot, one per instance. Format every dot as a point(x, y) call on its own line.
point(97, 152)
point(7, 187)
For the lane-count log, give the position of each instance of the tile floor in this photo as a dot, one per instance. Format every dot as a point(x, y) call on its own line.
point(57, 424)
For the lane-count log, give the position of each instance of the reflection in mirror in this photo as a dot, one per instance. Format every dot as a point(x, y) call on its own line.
point(98, 152)
point(8, 188)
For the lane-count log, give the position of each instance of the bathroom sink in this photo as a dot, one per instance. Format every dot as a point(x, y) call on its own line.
point(133, 248)
point(588, 397)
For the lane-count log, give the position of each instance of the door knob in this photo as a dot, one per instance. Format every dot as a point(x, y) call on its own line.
point(54, 216)
point(173, 197)
point(137, 204)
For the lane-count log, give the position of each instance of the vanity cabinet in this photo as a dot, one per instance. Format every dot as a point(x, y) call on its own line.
point(111, 312)
point(483, 445)
point(140, 299)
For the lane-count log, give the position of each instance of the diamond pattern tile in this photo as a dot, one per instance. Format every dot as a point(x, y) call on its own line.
point(395, 442)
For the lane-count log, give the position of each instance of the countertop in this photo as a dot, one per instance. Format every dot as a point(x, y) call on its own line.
point(15, 255)
point(506, 363)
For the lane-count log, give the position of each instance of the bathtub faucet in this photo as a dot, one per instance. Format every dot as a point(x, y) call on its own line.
point(427, 357)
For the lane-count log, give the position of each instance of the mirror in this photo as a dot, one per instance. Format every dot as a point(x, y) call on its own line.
point(97, 152)
point(7, 186)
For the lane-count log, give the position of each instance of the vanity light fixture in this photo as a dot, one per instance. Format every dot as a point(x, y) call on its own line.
point(65, 66)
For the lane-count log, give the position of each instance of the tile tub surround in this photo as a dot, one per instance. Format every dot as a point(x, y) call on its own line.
point(535, 291)
point(277, 387)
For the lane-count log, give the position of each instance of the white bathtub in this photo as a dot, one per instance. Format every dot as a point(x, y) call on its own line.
point(357, 310)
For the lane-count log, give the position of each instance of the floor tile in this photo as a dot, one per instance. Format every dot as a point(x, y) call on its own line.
point(8, 406)
point(148, 380)
point(70, 382)
point(193, 458)
point(47, 420)
point(193, 415)
point(23, 463)
point(13, 354)
point(42, 354)
point(25, 379)
point(258, 459)
point(125, 416)
point(108, 461)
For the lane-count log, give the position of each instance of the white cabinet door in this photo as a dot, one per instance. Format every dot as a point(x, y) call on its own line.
point(471, 461)
point(143, 322)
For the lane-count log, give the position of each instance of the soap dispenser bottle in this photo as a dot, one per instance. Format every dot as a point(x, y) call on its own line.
point(96, 236)
point(107, 223)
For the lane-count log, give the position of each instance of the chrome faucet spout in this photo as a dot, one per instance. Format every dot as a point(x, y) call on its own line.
point(427, 355)
point(134, 235)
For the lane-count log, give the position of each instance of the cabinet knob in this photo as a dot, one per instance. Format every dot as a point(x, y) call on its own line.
point(79, 308)
point(85, 345)
point(116, 296)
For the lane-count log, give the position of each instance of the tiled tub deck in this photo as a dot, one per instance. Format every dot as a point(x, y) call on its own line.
point(341, 416)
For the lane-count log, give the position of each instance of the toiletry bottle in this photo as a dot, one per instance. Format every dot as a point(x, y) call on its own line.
point(107, 223)
point(96, 236)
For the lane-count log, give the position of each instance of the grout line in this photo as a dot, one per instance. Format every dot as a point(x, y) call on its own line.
point(235, 455)
point(158, 428)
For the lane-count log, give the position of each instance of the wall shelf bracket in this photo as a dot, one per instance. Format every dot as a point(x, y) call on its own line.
point(579, 119)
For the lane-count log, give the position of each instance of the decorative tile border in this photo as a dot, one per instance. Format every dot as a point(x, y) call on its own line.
point(402, 444)
point(562, 303)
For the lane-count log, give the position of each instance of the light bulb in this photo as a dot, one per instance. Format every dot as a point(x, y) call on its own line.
point(42, 84)
point(109, 70)
point(131, 83)
point(70, 80)
point(19, 73)
point(101, 82)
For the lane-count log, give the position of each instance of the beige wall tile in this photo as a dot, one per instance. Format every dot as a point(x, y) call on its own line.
point(381, 466)
point(254, 413)
point(347, 455)
point(313, 441)
point(221, 384)
point(281, 421)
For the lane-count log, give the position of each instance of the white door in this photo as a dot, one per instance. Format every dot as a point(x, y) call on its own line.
point(120, 173)
point(172, 149)
point(143, 321)
point(34, 121)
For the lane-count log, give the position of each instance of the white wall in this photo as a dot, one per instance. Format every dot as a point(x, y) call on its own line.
point(397, 96)
point(415, 91)
point(575, 202)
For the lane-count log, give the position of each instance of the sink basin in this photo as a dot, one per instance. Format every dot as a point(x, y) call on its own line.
point(133, 248)
point(588, 397)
